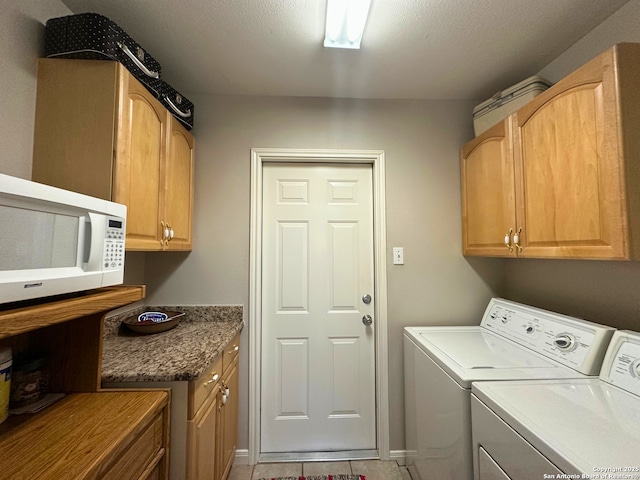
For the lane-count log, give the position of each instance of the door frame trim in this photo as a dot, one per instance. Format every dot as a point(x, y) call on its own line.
point(376, 158)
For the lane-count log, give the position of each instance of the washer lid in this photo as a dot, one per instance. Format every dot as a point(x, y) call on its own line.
point(475, 350)
point(470, 354)
point(580, 425)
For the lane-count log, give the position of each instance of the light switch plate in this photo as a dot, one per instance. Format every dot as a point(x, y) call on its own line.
point(398, 255)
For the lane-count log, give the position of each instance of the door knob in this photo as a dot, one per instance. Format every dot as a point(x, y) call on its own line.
point(366, 298)
point(367, 320)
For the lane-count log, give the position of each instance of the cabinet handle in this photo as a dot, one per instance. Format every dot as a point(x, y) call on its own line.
point(233, 350)
point(168, 234)
point(139, 64)
point(516, 239)
point(164, 233)
point(186, 114)
point(214, 379)
point(507, 240)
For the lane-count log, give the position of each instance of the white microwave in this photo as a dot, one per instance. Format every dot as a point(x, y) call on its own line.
point(53, 241)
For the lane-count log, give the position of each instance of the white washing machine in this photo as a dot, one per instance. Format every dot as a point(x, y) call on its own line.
point(581, 428)
point(512, 342)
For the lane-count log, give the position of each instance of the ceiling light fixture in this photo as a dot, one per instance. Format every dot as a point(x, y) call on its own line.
point(345, 23)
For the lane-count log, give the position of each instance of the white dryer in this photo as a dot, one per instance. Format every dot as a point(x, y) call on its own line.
point(512, 342)
point(581, 428)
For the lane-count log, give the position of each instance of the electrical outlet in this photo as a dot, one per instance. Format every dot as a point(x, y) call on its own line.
point(398, 255)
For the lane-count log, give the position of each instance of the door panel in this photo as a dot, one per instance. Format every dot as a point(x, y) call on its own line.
point(292, 378)
point(291, 276)
point(488, 192)
point(178, 201)
point(318, 359)
point(570, 168)
point(565, 207)
point(140, 172)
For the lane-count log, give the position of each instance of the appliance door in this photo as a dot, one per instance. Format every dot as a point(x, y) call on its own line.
point(511, 453)
point(488, 468)
point(437, 418)
point(47, 252)
point(36, 240)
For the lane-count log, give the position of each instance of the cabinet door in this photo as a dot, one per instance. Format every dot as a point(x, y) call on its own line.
point(75, 120)
point(202, 442)
point(229, 423)
point(140, 156)
point(178, 186)
point(568, 168)
point(488, 192)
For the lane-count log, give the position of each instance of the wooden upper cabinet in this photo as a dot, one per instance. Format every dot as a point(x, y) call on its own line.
point(488, 192)
point(576, 165)
point(139, 162)
point(98, 131)
point(178, 200)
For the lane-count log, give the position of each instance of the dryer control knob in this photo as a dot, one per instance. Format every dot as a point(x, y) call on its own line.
point(635, 368)
point(565, 342)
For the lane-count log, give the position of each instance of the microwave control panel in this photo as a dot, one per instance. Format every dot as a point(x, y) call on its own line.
point(114, 244)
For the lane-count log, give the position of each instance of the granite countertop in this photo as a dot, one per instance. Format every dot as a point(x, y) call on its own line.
point(182, 353)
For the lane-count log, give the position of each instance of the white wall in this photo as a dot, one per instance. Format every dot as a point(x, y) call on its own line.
point(622, 26)
point(604, 292)
point(21, 43)
point(421, 140)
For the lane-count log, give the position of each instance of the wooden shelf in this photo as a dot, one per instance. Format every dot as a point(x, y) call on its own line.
point(25, 319)
point(117, 434)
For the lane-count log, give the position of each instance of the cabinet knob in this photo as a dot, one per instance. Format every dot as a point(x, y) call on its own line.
point(233, 350)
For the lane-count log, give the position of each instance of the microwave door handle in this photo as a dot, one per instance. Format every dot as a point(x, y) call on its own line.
point(97, 224)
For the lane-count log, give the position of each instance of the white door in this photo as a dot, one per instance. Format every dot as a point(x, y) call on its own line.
point(318, 356)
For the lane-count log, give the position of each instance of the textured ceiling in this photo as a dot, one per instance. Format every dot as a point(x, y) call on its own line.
point(428, 49)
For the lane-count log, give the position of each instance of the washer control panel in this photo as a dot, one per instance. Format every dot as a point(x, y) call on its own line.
point(622, 364)
point(571, 341)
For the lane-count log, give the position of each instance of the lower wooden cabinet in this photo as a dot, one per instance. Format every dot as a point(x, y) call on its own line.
point(88, 433)
point(228, 422)
point(204, 419)
point(212, 428)
point(202, 441)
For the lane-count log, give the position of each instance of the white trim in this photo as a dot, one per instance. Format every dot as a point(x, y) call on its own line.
point(376, 158)
point(241, 457)
point(399, 456)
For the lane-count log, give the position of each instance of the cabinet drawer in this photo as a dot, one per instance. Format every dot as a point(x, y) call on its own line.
point(140, 453)
point(200, 388)
point(231, 352)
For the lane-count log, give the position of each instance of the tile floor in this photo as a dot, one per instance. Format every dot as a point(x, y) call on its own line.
point(372, 469)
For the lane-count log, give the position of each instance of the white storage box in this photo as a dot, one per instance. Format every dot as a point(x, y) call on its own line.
point(504, 103)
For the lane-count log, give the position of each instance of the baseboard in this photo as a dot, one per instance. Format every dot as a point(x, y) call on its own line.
point(400, 456)
point(242, 457)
